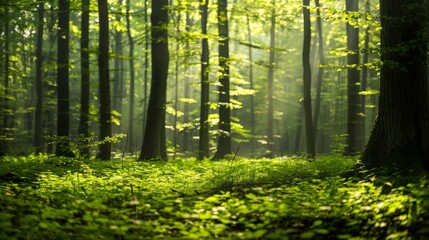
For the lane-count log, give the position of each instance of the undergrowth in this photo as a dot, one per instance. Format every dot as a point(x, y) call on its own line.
point(46, 197)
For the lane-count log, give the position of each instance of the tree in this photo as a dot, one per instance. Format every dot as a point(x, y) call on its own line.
point(154, 136)
point(353, 100)
point(63, 105)
point(364, 81)
point(132, 83)
point(311, 148)
point(105, 147)
point(224, 140)
point(118, 83)
point(5, 99)
point(205, 85)
point(251, 80)
point(320, 72)
point(85, 83)
point(270, 95)
point(401, 130)
point(38, 123)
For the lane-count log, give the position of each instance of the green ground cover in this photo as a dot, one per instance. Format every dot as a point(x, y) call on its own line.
point(46, 197)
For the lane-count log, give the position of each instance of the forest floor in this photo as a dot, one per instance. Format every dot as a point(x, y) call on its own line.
point(47, 197)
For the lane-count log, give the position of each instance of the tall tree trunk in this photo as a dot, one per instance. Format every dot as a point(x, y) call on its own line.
point(38, 126)
point(63, 110)
point(270, 95)
point(146, 65)
point(311, 148)
point(85, 82)
point(320, 73)
point(118, 83)
point(154, 137)
point(51, 90)
point(400, 135)
point(252, 97)
point(132, 83)
point(176, 83)
point(353, 101)
point(5, 99)
point(105, 148)
point(363, 84)
point(205, 85)
point(224, 141)
point(186, 108)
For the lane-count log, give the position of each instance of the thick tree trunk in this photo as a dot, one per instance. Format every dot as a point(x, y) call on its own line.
point(38, 125)
point(353, 101)
point(63, 110)
point(154, 137)
point(105, 148)
point(85, 83)
point(224, 141)
point(205, 86)
point(400, 135)
point(311, 148)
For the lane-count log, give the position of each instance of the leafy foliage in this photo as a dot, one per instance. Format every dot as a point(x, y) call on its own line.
point(46, 197)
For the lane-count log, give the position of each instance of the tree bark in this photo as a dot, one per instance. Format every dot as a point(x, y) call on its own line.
point(400, 135)
point(252, 97)
point(353, 101)
point(154, 138)
point(130, 131)
point(5, 100)
point(85, 82)
point(311, 148)
point(105, 147)
point(38, 122)
point(270, 95)
point(363, 84)
point(63, 110)
point(205, 85)
point(224, 140)
point(319, 82)
point(118, 83)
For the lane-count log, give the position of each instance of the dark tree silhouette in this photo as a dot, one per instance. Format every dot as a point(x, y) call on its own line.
point(38, 119)
point(311, 148)
point(224, 141)
point(154, 137)
point(85, 83)
point(105, 148)
point(353, 101)
point(400, 134)
point(130, 131)
point(63, 105)
point(205, 85)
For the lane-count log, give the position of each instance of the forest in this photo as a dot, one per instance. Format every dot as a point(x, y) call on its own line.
point(214, 119)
